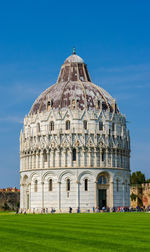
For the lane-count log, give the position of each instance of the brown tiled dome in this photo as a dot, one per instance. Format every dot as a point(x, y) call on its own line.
point(74, 89)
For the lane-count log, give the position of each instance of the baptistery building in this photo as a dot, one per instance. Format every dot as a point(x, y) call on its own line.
point(74, 146)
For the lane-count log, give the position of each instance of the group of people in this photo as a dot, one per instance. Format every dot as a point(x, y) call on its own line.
point(94, 210)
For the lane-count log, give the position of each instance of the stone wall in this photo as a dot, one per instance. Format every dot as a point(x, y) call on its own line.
point(140, 195)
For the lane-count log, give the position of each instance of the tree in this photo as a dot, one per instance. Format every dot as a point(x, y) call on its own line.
point(137, 178)
point(6, 207)
point(133, 197)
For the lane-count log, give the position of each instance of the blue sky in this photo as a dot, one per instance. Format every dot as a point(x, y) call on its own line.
point(35, 38)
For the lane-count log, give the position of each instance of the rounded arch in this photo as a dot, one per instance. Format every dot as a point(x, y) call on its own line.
point(25, 179)
point(64, 173)
point(85, 173)
point(34, 174)
point(48, 174)
point(104, 174)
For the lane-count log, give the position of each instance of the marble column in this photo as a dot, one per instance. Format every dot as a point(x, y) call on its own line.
point(119, 157)
point(111, 157)
point(57, 158)
point(41, 160)
point(59, 196)
point(84, 162)
point(42, 183)
point(54, 158)
point(31, 161)
point(24, 163)
point(48, 159)
point(64, 158)
point(101, 162)
point(77, 157)
point(29, 197)
point(98, 157)
point(123, 160)
point(111, 194)
point(116, 158)
point(27, 163)
point(89, 157)
point(123, 192)
point(106, 159)
point(96, 194)
point(28, 166)
point(70, 162)
point(95, 158)
point(37, 160)
point(78, 193)
point(51, 158)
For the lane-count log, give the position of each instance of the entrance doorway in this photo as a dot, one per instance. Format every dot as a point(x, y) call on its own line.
point(102, 198)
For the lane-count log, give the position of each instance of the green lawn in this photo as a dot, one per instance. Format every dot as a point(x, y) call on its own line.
point(75, 232)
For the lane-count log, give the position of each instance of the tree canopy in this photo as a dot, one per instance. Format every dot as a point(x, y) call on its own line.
point(137, 178)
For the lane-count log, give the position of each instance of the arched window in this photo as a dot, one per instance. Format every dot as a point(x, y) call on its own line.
point(85, 124)
point(104, 106)
point(51, 126)
point(86, 184)
point(48, 106)
point(35, 186)
point(99, 104)
point(102, 180)
point(50, 185)
point(103, 154)
point(45, 156)
point(100, 125)
point(52, 103)
point(68, 185)
point(117, 185)
point(68, 125)
point(38, 127)
point(113, 127)
point(74, 154)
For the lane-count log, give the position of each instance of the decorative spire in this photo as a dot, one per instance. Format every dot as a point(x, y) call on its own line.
point(74, 50)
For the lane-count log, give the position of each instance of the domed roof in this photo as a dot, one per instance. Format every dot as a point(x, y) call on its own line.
point(74, 89)
point(74, 58)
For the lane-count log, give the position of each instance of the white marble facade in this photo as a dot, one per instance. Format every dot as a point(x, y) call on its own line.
point(74, 147)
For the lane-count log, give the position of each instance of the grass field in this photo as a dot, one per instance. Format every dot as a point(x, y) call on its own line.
point(75, 232)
